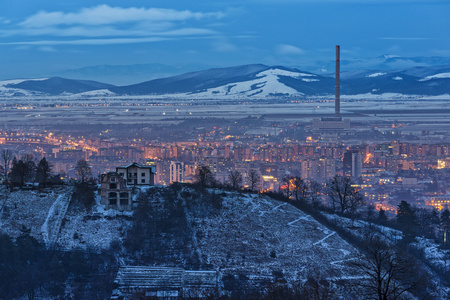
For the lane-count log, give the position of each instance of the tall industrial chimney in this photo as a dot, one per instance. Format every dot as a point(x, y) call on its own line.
point(337, 100)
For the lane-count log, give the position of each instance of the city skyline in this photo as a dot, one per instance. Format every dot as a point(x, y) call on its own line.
point(46, 38)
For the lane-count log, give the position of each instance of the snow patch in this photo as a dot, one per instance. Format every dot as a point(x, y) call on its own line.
point(437, 76)
point(266, 84)
point(103, 92)
point(376, 75)
point(17, 81)
point(279, 72)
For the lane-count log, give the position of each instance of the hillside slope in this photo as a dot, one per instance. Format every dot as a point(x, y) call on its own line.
point(251, 240)
point(261, 235)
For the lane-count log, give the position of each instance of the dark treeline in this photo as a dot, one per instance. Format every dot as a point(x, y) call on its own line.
point(28, 169)
point(161, 233)
point(28, 269)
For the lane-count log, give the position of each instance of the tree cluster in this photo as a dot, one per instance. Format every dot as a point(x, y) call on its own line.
point(27, 169)
point(28, 269)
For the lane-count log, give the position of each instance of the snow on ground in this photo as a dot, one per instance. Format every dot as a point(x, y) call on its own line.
point(280, 72)
point(10, 91)
point(358, 228)
point(375, 75)
point(50, 228)
point(29, 209)
point(259, 235)
point(96, 93)
point(434, 254)
point(17, 81)
point(369, 96)
point(40, 212)
point(94, 230)
point(266, 84)
point(437, 76)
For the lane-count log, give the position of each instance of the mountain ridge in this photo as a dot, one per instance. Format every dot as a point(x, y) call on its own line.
point(249, 81)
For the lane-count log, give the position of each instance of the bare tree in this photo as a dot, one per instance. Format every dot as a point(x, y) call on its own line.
point(342, 194)
point(235, 180)
point(299, 189)
point(389, 272)
point(356, 201)
point(286, 182)
point(83, 170)
point(204, 176)
point(6, 156)
point(314, 192)
point(253, 180)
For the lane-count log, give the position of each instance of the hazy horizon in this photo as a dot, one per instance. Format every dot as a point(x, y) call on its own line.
point(46, 38)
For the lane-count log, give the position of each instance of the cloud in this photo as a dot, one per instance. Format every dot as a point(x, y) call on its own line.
point(289, 50)
point(222, 45)
point(47, 49)
point(104, 15)
point(404, 38)
point(4, 21)
point(109, 25)
point(105, 31)
point(91, 41)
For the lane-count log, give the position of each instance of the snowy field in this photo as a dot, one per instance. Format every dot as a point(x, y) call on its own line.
point(97, 229)
point(28, 209)
point(260, 235)
point(43, 213)
point(150, 110)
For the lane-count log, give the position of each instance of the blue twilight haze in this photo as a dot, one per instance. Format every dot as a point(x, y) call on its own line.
point(47, 38)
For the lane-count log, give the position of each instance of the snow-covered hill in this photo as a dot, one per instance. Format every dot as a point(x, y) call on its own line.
point(260, 235)
point(8, 89)
point(250, 82)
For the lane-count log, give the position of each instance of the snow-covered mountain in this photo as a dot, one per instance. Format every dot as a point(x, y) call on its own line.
point(387, 62)
point(58, 85)
point(250, 81)
point(255, 81)
point(8, 88)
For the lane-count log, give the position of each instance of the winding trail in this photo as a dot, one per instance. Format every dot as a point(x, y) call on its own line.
point(331, 234)
point(299, 219)
point(52, 225)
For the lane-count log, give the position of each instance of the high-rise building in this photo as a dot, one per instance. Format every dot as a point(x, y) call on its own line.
point(352, 163)
point(327, 168)
point(309, 169)
point(176, 171)
point(318, 169)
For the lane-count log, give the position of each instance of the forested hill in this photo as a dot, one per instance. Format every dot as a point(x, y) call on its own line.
point(259, 246)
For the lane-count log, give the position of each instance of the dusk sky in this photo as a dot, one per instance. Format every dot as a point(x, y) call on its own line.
point(40, 38)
